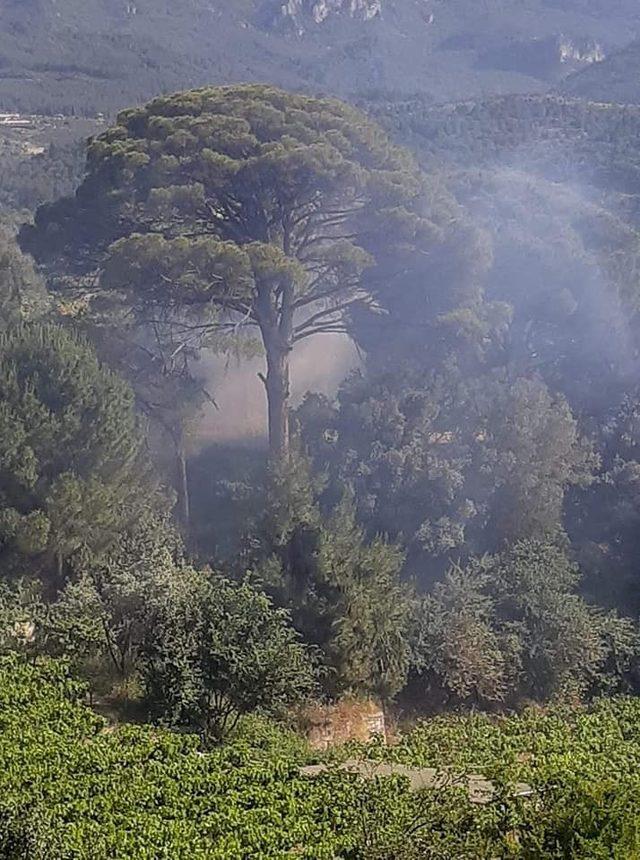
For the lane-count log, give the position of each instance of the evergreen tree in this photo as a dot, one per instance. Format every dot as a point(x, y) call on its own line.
point(449, 466)
point(243, 207)
point(344, 592)
point(72, 460)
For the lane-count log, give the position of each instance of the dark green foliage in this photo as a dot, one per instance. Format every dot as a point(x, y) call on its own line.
point(344, 592)
point(215, 650)
point(513, 627)
point(178, 154)
point(372, 610)
point(449, 465)
point(71, 446)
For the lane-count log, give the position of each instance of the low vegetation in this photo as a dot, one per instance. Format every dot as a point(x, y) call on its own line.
point(68, 783)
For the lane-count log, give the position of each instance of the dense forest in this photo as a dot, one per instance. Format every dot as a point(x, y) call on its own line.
point(452, 532)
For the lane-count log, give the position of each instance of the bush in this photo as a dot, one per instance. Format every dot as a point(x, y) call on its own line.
point(216, 649)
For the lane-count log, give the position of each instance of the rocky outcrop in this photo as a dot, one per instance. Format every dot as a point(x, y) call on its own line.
point(581, 53)
point(326, 726)
point(546, 58)
point(613, 80)
point(303, 13)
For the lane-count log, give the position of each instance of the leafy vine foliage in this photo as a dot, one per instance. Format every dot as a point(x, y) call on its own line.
point(64, 786)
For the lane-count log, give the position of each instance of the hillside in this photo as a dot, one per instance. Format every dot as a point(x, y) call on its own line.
point(319, 430)
point(617, 79)
point(72, 57)
point(40, 159)
point(562, 138)
point(555, 183)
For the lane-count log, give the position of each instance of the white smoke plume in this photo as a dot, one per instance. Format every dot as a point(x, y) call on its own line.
point(318, 364)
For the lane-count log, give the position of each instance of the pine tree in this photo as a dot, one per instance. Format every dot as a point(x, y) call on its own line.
point(240, 207)
point(72, 461)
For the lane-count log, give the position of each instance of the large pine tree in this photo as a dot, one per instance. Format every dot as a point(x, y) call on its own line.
point(234, 207)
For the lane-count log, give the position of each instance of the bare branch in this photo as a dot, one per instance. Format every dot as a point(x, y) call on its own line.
point(311, 297)
point(337, 328)
point(326, 313)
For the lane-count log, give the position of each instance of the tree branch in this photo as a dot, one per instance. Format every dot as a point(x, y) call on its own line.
point(326, 313)
point(338, 328)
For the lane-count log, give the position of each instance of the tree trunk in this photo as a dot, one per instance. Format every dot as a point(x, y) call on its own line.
point(55, 582)
point(277, 385)
point(184, 504)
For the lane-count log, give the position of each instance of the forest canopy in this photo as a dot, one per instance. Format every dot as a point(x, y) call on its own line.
point(479, 421)
point(452, 529)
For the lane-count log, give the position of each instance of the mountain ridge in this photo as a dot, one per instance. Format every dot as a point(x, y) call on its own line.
point(101, 55)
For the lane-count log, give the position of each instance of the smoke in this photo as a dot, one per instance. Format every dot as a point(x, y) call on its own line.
point(563, 257)
point(567, 262)
point(317, 364)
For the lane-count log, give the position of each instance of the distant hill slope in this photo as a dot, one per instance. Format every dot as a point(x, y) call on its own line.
point(564, 138)
point(552, 142)
point(86, 56)
point(41, 158)
point(555, 185)
point(617, 79)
